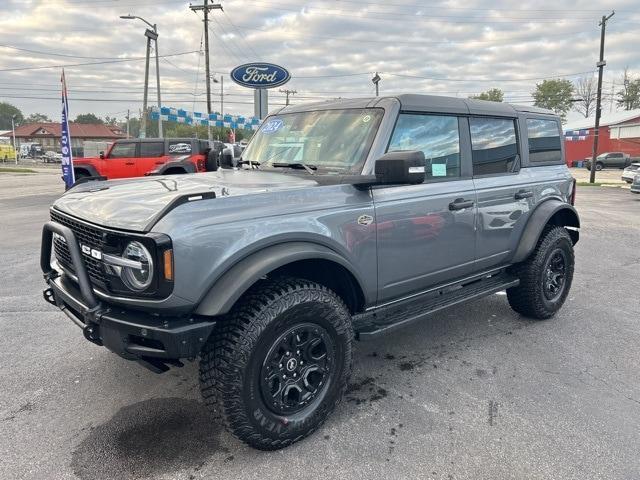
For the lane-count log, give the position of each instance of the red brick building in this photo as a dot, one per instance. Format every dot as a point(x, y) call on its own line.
point(619, 132)
point(48, 134)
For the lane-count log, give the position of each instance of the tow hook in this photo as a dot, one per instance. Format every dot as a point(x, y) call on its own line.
point(92, 333)
point(49, 296)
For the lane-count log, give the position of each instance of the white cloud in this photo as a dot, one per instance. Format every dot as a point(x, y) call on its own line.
point(462, 46)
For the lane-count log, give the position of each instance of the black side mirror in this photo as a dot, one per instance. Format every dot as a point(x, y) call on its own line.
point(102, 155)
point(403, 167)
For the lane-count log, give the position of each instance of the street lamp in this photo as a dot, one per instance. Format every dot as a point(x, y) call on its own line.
point(376, 80)
point(151, 35)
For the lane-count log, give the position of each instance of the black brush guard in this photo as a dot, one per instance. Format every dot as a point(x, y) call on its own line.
point(153, 340)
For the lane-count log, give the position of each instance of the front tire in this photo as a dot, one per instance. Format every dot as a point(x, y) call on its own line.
point(278, 365)
point(545, 277)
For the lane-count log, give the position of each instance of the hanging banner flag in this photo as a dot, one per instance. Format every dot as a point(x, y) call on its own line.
point(65, 140)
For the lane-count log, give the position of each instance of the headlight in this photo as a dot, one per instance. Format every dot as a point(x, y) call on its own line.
point(138, 274)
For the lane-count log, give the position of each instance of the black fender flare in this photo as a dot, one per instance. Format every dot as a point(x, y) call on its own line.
point(229, 287)
point(186, 165)
point(566, 215)
point(91, 170)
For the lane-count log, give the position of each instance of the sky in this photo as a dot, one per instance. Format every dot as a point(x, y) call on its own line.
point(331, 48)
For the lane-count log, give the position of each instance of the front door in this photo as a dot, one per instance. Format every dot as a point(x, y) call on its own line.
point(504, 191)
point(426, 232)
point(121, 161)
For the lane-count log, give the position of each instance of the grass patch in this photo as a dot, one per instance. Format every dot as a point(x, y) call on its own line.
point(16, 170)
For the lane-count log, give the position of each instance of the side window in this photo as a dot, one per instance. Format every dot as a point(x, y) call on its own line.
point(435, 135)
point(179, 148)
point(494, 145)
point(544, 140)
point(151, 149)
point(123, 150)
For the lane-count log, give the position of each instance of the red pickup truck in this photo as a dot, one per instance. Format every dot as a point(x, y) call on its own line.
point(150, 156)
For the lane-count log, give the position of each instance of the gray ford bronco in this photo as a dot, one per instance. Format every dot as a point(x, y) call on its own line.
point(341, 221)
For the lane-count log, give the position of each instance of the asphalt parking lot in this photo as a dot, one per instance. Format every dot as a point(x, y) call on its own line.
point(475, 393)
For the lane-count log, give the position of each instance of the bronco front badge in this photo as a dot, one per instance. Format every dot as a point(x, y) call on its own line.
point(365, 220)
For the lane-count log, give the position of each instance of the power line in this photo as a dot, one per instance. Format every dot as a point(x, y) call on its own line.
point(68, 65)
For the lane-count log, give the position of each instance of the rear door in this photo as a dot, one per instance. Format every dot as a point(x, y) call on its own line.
point(504, 190)
point(426, 232)
point(151, 156)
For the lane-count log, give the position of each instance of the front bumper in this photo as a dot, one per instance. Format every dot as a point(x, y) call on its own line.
point(151, 339)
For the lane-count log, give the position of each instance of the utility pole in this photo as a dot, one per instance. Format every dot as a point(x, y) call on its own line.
point(288, 92)
point(143, 124)
point(206, 7)
point(13, 129)
point(601, 63)
point(160, 134)
point(222, 95)
point(376, 80)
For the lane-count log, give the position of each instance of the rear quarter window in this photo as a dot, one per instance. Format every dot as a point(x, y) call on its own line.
point(179, 148)
point(544, 141)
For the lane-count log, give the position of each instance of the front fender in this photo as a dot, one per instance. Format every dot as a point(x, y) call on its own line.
point(565, 215)
point(237, 280)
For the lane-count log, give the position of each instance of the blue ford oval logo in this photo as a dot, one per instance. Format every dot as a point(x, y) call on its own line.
point(260, 75)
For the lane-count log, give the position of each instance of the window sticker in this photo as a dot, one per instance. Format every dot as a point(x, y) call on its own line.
point(272, 126)
point(439, 170)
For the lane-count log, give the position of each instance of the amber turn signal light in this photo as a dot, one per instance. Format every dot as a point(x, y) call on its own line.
point(168, 265)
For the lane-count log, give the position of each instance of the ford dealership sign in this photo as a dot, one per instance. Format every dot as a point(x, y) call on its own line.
point(260, 75)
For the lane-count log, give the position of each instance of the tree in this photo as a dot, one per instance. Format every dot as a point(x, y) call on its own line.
point(556, 95)
point(629, 96)
point(6, 112)
point(37, 118)
point(111, 120)
point(87, 118)
point(586, 92)
point(493, 95)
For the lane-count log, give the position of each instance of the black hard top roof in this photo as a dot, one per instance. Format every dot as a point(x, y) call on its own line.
point(427, 103)
point(158, 139)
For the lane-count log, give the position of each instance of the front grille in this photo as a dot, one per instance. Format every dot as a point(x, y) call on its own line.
point(86, 235)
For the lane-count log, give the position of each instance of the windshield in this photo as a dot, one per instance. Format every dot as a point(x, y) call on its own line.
point(329, 140)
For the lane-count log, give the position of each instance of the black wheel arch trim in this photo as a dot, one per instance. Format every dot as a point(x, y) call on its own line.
point(226, 291)
point(539, 219)
point(186, 165)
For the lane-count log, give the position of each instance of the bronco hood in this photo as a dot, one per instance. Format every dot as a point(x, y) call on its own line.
point(136, 204)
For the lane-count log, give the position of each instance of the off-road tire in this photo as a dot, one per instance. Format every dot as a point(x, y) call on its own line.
point(233, 359)
point(529, 298)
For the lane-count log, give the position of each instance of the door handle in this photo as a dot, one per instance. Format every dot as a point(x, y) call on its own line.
point(129, 163)
point(522, 194)
point(460, 204)
point(159, 163)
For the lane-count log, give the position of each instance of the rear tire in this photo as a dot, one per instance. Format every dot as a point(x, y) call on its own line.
point(545, 277)
point(278, 365)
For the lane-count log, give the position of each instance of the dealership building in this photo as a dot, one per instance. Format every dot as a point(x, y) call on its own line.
point(48, 134)
point(619, 132)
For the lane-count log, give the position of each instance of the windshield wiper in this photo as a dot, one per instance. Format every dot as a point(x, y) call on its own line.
point(251, 163)
point(309, 168)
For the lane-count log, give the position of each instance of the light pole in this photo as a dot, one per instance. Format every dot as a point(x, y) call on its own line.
point(13, 129)
point(376, 80)
point(151, 35)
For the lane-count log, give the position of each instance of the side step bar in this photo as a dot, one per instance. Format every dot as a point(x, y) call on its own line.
point(391, 317)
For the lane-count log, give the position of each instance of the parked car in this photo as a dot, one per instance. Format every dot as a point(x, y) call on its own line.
point(31, 150)
point(357, 217)
point(630, 172)
point(609, 160)
point(148, 156)
point(7, 152)
point(53, 157)
point(635, 186)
